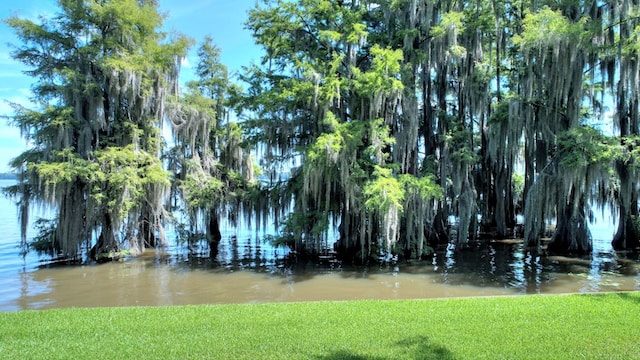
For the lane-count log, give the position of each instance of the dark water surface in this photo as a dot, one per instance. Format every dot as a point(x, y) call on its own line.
point(248, 271)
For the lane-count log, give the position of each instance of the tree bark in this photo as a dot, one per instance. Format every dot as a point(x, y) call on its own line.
point(213, 234)
point(572, 236)
point(627, 236)
point(106, 243)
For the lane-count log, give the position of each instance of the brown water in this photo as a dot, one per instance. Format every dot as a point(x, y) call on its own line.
point(249, 271)
point(169, 279)
point(145, 283)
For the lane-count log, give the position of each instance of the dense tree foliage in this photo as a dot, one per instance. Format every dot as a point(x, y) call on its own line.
point(388, 126)
point(492, 107)
point(103, 76)
point(213, 170)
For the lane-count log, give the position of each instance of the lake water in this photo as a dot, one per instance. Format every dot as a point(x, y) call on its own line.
point(247, 270)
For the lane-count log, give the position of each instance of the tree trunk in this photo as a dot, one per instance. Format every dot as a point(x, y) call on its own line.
point(147, 237)
point(501, 201)
point(485, 179)
point(572, 235)
point(107, 248)
point(213, 234)
point(438, 233)
point(354, 246)
point(627, 236)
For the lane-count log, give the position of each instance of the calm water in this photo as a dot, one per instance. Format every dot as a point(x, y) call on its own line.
point(247, 271)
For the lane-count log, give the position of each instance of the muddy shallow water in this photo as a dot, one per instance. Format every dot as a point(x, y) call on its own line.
point(159, 279)
point(249, 271)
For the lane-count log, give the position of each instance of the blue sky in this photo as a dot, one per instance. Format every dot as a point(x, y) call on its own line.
point(223, 20)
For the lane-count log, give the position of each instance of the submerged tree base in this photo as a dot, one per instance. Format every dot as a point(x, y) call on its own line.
point(111, 256)
point(628, 235)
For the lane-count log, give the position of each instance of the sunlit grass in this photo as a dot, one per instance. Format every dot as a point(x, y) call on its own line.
point(603, 326)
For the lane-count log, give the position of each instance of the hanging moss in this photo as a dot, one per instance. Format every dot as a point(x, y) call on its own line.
point(478, 95)
point(103, 73)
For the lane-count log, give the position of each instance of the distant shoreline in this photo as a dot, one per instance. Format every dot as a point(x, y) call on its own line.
point(7, 176)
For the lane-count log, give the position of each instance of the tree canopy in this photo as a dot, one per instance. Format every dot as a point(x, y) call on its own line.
point(385, 126)
point(103, 74)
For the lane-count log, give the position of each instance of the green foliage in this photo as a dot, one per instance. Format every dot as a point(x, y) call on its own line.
point(585, 146)
point(45, 243)
point(344, 140)
point(628, 151)
point(65, 167)
point(123, 175)
point(500, 114)
point(547, 27)
point(425, 187)
point(385, 192)
point(450, 21)
point(297, 227)
point(39, 127)
point(117, 177)
point(211, 163)
point(635, 223)
point(326, 149)
point(381, 139)
point(366, 96)
point(329, 89)
point(383, 76)
point(517, 181)
point(213, 76)
point(102, 71)
point(447, 31)
point(459, 142)
point(202, 191)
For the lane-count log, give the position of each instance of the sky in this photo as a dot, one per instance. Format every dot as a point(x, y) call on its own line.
point(223, 20)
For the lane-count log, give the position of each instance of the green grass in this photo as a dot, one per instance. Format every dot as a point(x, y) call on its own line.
point(602, 326)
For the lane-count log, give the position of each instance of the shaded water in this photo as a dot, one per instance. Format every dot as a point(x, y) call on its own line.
point(248, 271)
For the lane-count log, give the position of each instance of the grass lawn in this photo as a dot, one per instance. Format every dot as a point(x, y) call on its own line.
point(599, 326)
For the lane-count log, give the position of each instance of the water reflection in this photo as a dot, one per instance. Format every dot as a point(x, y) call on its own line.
point(247, 270)
point(505, 264)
